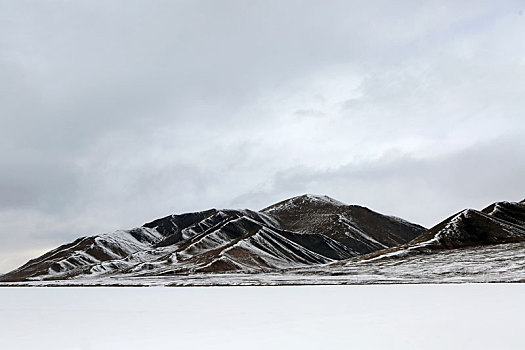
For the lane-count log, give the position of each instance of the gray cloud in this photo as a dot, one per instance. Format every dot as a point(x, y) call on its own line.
point(423, 190)
point(32, 180)
point(113, 114)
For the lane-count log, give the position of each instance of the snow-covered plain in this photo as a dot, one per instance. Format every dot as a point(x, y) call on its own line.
point(453, 316)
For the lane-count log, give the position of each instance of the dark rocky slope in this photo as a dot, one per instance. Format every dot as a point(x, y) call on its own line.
point(500, 222)
point(358, 228)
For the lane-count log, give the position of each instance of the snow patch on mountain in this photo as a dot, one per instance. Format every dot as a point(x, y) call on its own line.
point(301, 201)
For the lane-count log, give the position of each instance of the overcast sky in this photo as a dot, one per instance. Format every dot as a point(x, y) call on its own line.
point(114, 113)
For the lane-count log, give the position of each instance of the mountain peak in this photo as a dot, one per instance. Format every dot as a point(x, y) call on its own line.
point(301, 200)
point(322, 198)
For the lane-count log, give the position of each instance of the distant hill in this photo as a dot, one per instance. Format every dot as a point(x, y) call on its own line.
point(500, 222)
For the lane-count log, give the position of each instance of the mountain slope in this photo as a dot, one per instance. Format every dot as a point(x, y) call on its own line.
point(301, 231)
point(500, 222)
point(357, 227)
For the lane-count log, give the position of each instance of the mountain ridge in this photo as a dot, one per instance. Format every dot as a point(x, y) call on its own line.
point(307, 235)
point(300, 231)
point(499, 223)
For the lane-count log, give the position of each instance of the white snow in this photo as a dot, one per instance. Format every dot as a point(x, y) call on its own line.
point(324, 198)
point(465, 316)
point(300, 200)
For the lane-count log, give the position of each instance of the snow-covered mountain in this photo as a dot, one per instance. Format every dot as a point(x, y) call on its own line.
point(302, 240)
point(299, 232)
point(500, 222)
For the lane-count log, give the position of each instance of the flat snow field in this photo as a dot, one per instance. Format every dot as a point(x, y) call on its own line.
point(452, 316)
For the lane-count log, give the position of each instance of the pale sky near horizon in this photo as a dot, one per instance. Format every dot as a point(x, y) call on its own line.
point(117, 113)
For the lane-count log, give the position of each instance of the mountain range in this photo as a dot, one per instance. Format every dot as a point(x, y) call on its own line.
point(304, 233)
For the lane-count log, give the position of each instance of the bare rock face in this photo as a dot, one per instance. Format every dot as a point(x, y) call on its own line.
point(301, 231)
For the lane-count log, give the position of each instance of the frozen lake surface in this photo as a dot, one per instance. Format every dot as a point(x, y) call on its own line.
point(451, 316)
